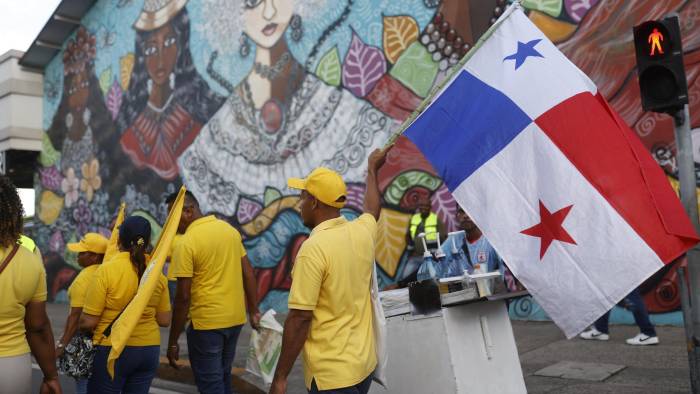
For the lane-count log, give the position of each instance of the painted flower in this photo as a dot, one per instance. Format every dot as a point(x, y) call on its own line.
point(56, 243)
point(91, 178)
point(83, 216)
point(69, 186)
point(51, 178)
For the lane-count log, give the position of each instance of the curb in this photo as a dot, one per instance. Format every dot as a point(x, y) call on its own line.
point(182, 380)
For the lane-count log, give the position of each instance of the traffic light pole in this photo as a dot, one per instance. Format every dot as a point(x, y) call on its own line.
point(690, 298)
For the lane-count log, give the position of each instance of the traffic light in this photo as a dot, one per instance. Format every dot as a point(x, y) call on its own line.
point(660, 68)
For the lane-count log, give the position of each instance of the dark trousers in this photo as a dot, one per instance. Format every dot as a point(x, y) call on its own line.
point(360, 388)
point(635, 303)
point(211, 355)
point(133, 371)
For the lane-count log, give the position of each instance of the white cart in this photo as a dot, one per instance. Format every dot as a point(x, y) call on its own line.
point(464, 348)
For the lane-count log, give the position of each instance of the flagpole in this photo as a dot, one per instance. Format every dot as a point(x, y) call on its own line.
point(458, 67)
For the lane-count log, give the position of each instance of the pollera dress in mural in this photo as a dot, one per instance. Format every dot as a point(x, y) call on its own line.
point(75, 153)
point(158, 136)
point(235, 154)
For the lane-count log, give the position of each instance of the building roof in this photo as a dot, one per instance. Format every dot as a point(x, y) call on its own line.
point(64, 20)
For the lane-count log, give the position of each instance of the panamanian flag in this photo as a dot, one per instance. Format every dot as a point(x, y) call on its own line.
point(558, 183)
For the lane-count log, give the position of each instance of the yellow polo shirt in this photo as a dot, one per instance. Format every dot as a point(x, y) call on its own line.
point(210, 253)
point(114, 285)
point(22, 281)
point(331, 277)
point(78, 289)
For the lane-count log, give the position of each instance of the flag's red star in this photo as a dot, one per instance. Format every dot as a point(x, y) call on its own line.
point(550, 228)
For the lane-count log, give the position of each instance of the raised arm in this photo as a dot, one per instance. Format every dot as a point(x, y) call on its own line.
point(373, 199)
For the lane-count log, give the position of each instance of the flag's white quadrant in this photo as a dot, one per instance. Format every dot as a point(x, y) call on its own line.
point(519, 61)
point(574, 283)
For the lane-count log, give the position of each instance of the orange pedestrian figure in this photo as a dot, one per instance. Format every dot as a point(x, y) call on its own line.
point(655, 39)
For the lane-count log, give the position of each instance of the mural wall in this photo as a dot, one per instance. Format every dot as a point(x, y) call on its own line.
point(233, 97)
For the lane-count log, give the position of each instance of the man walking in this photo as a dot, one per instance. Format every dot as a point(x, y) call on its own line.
point(330, 310)
point(215, 284)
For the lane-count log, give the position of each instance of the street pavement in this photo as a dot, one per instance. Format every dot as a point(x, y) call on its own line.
point(624, 369)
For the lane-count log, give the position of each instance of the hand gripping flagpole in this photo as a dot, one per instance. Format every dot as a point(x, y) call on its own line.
point(456, 69)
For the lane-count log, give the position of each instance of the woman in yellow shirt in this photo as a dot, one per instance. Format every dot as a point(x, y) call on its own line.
point(114, 285)
point(24, 325)
point(91, 251)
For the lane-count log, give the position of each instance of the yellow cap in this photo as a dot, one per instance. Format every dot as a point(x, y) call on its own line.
point(324, 184)
point(91, 242)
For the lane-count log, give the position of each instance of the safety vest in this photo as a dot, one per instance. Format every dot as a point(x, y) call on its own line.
point(431, 226)
point(27, 243)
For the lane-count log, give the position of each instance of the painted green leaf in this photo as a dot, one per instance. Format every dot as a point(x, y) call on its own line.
point(407, 180)
point(271, 195)
point(551, 7)
point(329, 69)
point(49, 155)
point(106, 80)
point(416, 69)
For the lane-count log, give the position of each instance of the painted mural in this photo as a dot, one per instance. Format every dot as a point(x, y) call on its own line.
point(232, 97)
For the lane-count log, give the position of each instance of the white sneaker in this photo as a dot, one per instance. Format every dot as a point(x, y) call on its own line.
point(594, 334)
point(643, 340)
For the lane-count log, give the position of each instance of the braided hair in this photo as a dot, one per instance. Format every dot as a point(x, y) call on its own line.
point(11, 213)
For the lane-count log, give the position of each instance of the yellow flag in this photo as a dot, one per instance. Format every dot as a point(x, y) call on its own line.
point(112, 246)
point(124, 326)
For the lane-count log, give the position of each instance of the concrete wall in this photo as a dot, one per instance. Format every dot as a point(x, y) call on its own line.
point(21, 100)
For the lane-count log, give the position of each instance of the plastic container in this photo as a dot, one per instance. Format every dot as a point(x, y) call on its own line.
point(427, 269)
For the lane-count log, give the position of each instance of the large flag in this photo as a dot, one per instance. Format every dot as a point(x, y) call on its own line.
point(112, 245)
point(559, 184)
point(124, 326)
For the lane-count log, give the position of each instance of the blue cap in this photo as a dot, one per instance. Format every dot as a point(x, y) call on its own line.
point(134, 228)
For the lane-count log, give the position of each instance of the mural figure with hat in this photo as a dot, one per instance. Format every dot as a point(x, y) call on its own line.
point(280, 119)
point(91, 251)
point(167, 101)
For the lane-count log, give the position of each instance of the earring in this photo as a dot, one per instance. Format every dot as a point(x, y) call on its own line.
point(69, 120)
point(297, 28)
point(149, 85)
point(244, 50)
point(86, 116)
point(172, 81)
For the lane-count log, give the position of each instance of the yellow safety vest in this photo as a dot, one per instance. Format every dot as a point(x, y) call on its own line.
point(27, 243)
point(431, 226)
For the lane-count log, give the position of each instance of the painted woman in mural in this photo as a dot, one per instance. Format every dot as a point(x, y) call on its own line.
point(167, 101)
point(82, 119)
point(279, 120)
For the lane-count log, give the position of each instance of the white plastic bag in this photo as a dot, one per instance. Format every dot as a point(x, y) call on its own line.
point(379, 328)
point(265, 347)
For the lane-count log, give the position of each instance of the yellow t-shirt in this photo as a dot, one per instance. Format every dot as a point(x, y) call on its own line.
point(22, 281)
point(331, 277)
point(78, 289)
point(210, 253)
point(114, 285)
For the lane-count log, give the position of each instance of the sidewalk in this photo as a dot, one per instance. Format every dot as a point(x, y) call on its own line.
point(653, 369)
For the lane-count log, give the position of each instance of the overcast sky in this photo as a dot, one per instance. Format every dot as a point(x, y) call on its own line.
point(21, 21)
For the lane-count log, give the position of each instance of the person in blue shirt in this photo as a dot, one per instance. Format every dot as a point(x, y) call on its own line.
point(477, 247)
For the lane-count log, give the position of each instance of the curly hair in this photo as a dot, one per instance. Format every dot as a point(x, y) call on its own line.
point(191, 90)
point(11, 213)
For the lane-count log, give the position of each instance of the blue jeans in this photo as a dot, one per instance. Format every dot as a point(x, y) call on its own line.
point(172, 290)
point(635, 303)
point(360, 388)
point(211, 355)
point(81, 386)
point(133, 371)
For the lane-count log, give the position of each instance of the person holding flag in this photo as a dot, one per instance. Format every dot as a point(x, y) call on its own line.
point(115, 285)
point(215, 286)
point(91, 251)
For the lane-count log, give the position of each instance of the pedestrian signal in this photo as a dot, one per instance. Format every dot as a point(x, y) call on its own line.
point(662, 81)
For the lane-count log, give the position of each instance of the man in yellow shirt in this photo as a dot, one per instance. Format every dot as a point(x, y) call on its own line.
point(330, 309)
point(215, 285)
point(91, 251)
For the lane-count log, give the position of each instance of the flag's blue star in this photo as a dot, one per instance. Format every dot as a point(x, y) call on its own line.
point(524, 51)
